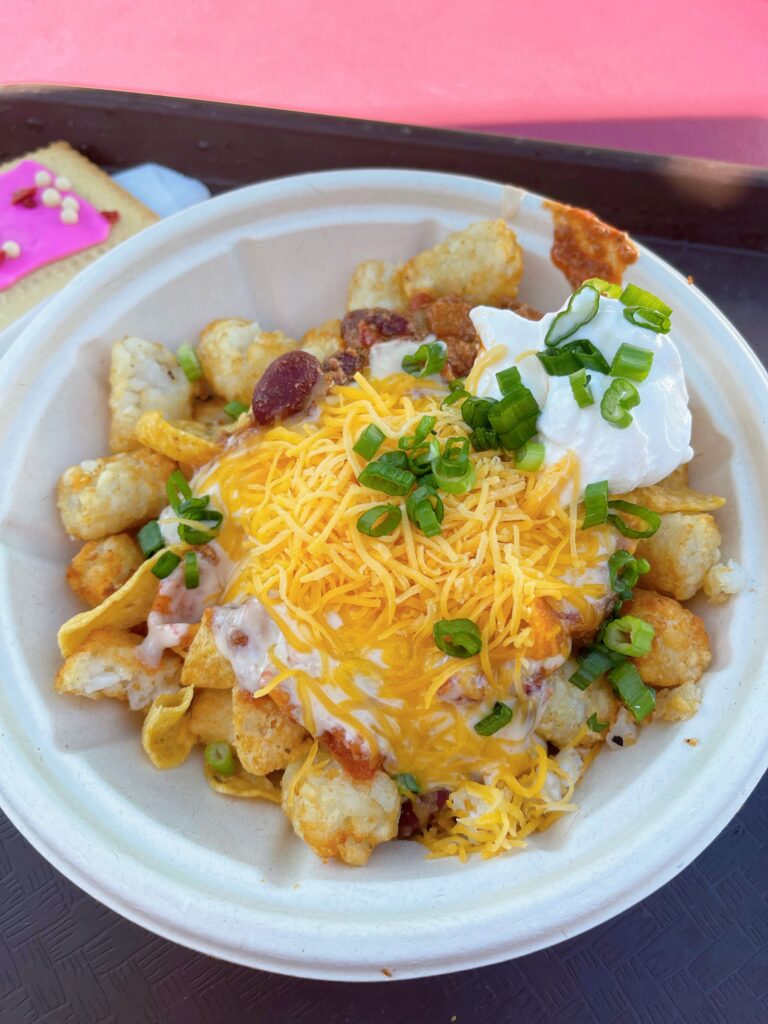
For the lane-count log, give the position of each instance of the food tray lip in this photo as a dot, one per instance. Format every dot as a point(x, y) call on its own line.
point(748, 777)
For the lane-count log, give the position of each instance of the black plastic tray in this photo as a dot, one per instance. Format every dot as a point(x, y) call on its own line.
point(696, 952)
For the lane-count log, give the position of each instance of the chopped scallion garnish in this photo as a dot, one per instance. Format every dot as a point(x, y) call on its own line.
point(423, 428)
point(632, 362)
point(453, 470)
point(634, 296)
point(420, 459)
point(595, 504)
point(380, 521)
point(613, 291)
point(150, 538)
point(624, 571)
point(369, 441)
point(218, 757)
point(177, 489)
point(456, 392)
point(639, 698)
point(426, 360)
point(425, 508)
point(653, 519)
point(582, 307)
point(508, 379)
point(616, 402)
point(475, 411)
point(165, 564)
point(484, 439)
point(530, 457)
point(514, 417)
point(189, 362)
point(650, 319)
point(500, 715)
point(191, 571)
point(629, 636)
point(458, 637)
point(596, 662)
point(386, 477)
point(235, 409)
point(407, 784)
point(568, 358)
point(582, 392)
point(594, 723)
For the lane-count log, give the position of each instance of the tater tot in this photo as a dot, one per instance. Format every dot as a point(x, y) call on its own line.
point(376, 285)
point(678, 704)
point(209, 412)
point(568, 708)
point(235, 353)
point(105, 496)
point(680, 652)
point(266, 739)
point(338, 816)
point(145, 376)
point(107, 665)
point(483, 264)
point(680, 554)
point(102, 566)
point(323, 341)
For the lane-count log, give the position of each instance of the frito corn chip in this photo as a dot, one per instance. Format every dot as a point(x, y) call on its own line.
point(166, 734)
point(665, 498)
point(184, 441)
point(127, 607)
point(204, 666)
point(210, 716)
point(243, 784)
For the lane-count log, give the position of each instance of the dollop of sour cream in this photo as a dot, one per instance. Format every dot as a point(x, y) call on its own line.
point(657, 440)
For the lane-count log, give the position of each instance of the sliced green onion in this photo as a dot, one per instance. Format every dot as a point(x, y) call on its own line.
point(150, 538)
point(396, 458)
point(514, 417)
point(639, 698)
point(650, 319)
point(653, 519)
point(569, 358)
point(453, 470)
point(420, 459)
point(629, 636)
point(380, 520)
point(426, 360)
point(632, 361)
point(596, 662)
point(235, 409)
point(407, 784)
point(530, 457)
point(595, 504)
point(192, 513)
point(582, 392)
point(582, 307)
point(634, 296)
point(616, 402)
point(456, 392)
point(613, 291)
point(383, 476)
point(624, 571)
point(369, 441)
point(218, 757)
point(177, 489)
point(500, 715)
point(458, 637)
point(423, 428)
point(594, 723)
point(165, 564)
point(475, 411)
point(508, 379)
point(191, 571)
point(188, 361)
point(425, 508)
point(484, 439)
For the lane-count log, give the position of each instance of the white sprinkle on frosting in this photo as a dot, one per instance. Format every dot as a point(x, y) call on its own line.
point(11, 249)
point(51, 197)
point(63, 183)
point(70, 203)
point(69, 216)
point(43, 178)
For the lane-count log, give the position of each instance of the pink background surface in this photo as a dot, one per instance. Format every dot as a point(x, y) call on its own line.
point(689, 77)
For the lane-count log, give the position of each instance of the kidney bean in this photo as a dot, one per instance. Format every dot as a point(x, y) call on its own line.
point(363, 328)
point(342, 366)
point(287, 386)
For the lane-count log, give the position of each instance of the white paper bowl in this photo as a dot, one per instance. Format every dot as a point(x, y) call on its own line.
point(228, 877)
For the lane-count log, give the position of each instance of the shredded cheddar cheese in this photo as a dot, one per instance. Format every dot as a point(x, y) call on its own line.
point(365, 607)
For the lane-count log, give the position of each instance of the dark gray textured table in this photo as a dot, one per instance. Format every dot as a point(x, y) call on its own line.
point(696, 952)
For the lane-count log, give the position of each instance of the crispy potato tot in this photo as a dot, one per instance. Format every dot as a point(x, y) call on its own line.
point(266, 738)
point(234, 353)
point(550, 636)
point(724, 580)
point(126, 608)
point(107, 665)
point(568, 708)
point(101, 497)
point(482, 264)
point(145, 375)
point(204, 666)
point(680, 553)
point(680, 652)
point(678, 704)
point(210, 716)
point(665, 498)
point(323, 341)
point(338, 816)
point(183, 441)
point(166, 734)
point(376, 285)
point(242, 784)
point(209, 413)
point(585, 247)
point(102, 566)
